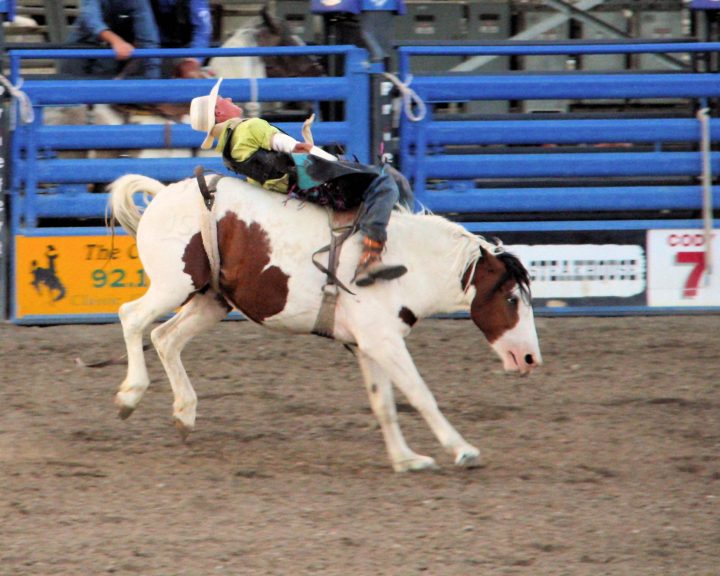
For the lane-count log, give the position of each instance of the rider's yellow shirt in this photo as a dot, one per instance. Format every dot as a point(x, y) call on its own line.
point(248, 136)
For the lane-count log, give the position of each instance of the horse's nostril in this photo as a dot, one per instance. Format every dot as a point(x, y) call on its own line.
point(528, 359)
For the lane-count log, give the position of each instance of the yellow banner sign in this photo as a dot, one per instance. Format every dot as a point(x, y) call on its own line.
point(66, 275)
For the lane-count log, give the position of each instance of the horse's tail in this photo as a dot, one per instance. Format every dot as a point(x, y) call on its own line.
point(122, 205)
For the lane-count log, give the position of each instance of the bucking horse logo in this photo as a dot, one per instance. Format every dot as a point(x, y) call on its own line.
point(48, 276)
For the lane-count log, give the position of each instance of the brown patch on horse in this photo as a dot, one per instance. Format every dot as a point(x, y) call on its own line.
point(257, 291)
point(407, 316)
point(197, 265)
point(490, 309)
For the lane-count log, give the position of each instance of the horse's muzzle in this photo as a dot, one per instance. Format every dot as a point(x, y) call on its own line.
point(523, 363)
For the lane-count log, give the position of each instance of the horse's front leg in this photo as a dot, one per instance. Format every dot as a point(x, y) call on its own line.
point(390, 352)
point(135, 317)
point(202, 312)
point(382, 400)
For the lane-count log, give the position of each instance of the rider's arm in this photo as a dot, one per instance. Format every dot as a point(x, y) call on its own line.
point(281, 142)
point(257, 133)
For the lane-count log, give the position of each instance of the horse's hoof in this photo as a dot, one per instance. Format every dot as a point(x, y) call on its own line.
point(468, 458)
point(124, 412)
point(416, 464)
point(126, 400)
point(183, 429)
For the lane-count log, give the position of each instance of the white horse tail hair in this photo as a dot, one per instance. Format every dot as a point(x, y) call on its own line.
point(123, 207)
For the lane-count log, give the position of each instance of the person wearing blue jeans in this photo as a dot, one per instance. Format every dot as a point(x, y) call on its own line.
point(122, 25)
point(255, 148)
point(183, 24)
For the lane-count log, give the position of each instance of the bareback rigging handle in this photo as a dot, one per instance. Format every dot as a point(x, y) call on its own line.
point(200, 177)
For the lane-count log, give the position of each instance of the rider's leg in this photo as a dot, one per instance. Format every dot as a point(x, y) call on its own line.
point(407, 197)
point(380, 197)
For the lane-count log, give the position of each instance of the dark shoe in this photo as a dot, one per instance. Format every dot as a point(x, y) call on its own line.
point(365, 275)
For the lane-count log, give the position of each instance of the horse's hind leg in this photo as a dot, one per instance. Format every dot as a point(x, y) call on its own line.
point(382, 400)
point(135, 317)
point(203, 311)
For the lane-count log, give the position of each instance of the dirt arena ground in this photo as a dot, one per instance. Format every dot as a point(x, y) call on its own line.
point(604, 462)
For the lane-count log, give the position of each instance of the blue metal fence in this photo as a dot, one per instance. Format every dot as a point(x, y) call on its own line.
point(64, 267)
point(539, 172)
point(38, 174)
point(7, 7)
point(453, 164)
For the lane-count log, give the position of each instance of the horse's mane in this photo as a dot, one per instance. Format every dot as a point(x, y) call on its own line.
point(514, 269)
point(464, 248)
point(450, 228)
point(468, 248)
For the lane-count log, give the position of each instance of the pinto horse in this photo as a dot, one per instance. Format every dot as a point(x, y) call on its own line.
point(265, 243)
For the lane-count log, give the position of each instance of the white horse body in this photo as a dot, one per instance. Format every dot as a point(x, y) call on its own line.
point(298, 229)
point(441, 258)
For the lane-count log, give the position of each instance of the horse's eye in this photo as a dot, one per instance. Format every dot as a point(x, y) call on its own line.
point(512, 300)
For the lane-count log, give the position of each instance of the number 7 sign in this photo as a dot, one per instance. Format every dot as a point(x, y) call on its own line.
point(697, 260)
point(677, 269)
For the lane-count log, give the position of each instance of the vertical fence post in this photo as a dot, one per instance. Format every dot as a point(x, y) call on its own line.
point(357, 103)
point(6, 13)
point(421, 147)
point(4, 204)
point(703, 116)
point(381, 114)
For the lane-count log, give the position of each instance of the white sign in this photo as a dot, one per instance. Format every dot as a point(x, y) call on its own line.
point(583, 270)
point(678, 268)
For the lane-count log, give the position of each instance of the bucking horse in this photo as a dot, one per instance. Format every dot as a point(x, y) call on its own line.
point(253, 251)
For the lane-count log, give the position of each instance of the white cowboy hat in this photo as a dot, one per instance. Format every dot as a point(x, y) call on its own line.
point(202, 114)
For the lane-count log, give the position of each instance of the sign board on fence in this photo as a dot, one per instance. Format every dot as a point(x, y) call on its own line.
point(584, 270)
point(57, 278)
point(618, 270)
point(75, 275)
point(678, 268)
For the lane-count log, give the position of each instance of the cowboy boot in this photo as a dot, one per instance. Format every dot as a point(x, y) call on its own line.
point(370, 266)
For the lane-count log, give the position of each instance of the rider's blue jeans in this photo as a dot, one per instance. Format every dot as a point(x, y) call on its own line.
point(380, 197)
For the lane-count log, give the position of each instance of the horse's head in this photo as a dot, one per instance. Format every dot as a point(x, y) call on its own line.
point(502, 309)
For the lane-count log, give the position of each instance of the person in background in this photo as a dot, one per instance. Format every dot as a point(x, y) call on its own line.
point(183, 24)
point(254, 148)
point(365, 24)
point(122, 25)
